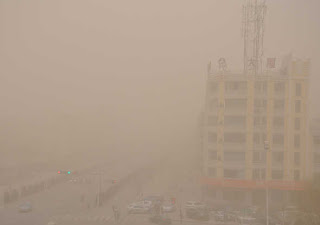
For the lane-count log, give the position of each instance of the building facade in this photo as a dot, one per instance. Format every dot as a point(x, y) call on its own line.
point(255, 134)
point(315, 142)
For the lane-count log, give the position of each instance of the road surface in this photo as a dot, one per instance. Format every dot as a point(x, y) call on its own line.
point(64, 199)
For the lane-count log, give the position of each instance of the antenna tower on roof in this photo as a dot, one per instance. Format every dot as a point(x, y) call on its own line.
point(253, 15)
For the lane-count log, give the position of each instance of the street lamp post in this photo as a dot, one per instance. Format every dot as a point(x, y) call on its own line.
point(267, 147)
point(100, 173)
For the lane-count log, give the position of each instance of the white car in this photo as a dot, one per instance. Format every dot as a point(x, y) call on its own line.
point(194, 205)
point(133, 208)
point(246, 220)
point(168, 207)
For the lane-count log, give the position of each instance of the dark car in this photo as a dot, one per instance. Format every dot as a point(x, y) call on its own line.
point(198, 214)
point(25, 207)
point(160, 219)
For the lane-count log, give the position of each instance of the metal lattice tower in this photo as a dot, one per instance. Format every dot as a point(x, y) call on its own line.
point(253, 15)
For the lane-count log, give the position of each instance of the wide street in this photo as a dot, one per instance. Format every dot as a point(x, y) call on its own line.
point(74, 202)
point(71, 198)
point(167, 181)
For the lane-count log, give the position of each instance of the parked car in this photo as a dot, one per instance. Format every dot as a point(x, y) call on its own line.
point(246, 220)
point(198, 214)
point(225, 216)
point(133, 208)
point(25, 207)
point(168, 207)
point(194, 204)
point(218, 216)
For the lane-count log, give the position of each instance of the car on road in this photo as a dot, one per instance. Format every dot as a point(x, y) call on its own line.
point(219, 216)
point(160, 219)
point(201, 214)
point(168, 207)
point(245, 220)
point(194, 205)
point(25, 207)
point(142, 203)
point(138, 208)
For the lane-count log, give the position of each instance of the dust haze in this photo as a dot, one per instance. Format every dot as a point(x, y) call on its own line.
point(82, 81)
point(108, 76)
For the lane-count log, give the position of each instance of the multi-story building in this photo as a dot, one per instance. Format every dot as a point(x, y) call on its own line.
point(315, 144)
point(255, 134)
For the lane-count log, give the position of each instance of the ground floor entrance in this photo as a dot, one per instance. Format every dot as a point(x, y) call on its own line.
point(248, 197)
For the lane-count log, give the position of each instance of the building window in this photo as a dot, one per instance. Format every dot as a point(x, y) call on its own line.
point(277, 157)
point(298, 89)
point(259, 157)
point(234, 138)
point(234, 173)
point(279, 87)
point(236, 103)
point(260, 86)
point(259, 121)
point(236, 86)
point(297, 123)
point(234, 156)
point(277, 174)
point(258, 103)
point(297, 140)
point(279, 104)
point(297, 158)
point(297, 106)
point(258, 174)
point(235, 120)
point(213, 155)
point(212, 172)
point(259, 138)
point(296, 175)
point(278, 122)
point(278, 139)
point(212, 120)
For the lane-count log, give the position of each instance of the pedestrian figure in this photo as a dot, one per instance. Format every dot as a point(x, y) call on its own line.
point(116, 213)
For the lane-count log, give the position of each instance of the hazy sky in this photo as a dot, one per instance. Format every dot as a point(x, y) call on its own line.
point(79, 75)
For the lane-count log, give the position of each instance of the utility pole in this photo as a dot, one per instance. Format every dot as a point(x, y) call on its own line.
point(267, 147)
point(99, 192)
point(99, 173)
